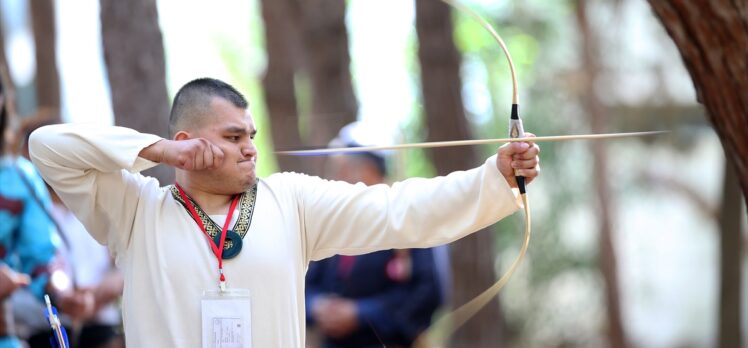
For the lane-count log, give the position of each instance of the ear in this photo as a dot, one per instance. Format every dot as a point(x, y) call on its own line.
point(182, 135)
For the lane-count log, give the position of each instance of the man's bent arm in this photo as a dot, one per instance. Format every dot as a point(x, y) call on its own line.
point(91, 168)
point(154, 152)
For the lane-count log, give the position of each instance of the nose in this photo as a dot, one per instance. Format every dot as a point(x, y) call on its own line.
point(249, 150)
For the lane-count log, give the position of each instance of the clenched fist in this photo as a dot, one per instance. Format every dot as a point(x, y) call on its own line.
point(191, 154)
point(522, 157)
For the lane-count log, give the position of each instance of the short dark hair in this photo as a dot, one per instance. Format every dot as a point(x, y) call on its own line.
point(194, 98)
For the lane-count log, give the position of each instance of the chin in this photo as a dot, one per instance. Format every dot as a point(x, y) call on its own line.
point(248, 182)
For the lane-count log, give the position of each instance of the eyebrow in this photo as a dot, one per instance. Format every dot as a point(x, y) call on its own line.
point(242, 130)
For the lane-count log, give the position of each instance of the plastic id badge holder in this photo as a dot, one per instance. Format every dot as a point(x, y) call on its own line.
point(226, 319)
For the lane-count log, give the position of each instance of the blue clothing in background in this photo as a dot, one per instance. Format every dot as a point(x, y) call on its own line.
point(391, 311)
point(10, 342)
point(27, 238)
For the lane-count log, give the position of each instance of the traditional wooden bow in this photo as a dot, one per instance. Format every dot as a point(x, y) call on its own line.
point(452, 321)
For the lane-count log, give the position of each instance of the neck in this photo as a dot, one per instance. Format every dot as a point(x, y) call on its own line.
point(211, 203)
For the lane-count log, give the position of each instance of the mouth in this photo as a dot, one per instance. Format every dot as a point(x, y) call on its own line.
point(246, 162)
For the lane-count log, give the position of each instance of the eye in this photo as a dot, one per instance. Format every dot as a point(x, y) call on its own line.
point(233, 138)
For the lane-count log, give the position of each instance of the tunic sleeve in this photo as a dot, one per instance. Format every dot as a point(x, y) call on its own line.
point(339, 218)
point(95, 171)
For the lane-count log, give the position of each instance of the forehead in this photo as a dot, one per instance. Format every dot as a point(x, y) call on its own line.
point(227, 115)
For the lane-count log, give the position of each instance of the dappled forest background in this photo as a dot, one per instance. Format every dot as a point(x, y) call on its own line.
point(636, 243)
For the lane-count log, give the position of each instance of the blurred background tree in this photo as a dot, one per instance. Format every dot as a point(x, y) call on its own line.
point(712, 38)
point(598, 119)
point(284, 55)
point(444, 113)
point(47, 77)
point(134, 55)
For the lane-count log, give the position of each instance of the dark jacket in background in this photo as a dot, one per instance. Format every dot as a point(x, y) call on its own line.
point(397, 308)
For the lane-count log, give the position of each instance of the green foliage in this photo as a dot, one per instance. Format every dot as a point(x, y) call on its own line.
point(417, 161)
point(303, 94)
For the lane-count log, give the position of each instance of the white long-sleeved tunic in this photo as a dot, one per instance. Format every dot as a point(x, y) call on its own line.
point(167, 262)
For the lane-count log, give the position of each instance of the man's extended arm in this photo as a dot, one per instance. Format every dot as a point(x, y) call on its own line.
point(340, 218)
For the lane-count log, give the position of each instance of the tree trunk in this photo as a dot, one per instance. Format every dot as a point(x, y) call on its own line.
point(45, 39)
point(134, 55)
point(598, 121)
point(472, 258)
point(7, 95)
point(731, 257)
point(7, 81)
point(712, 37)
point(281, 18)
point(3, 58)
point(327, 62)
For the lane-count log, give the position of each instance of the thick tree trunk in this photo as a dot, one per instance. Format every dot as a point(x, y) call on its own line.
point(327, 62)
point(598, 120)
point(731, 257)
point(712, 37)
point(472, 258)
point(282, 21)
point(45, 39)
point(134, 55)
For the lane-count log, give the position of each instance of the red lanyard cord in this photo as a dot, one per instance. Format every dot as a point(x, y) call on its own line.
point(217, 249)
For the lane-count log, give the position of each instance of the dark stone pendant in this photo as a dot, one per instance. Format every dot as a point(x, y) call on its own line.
point(234, 240)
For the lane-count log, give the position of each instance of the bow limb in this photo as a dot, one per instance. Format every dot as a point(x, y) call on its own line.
point(440, 331)
point(496, 37)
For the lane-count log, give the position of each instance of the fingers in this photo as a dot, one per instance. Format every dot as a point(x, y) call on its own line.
point(17, 279)
point(521, 164)
point(519, 151)
point(527, 163)
point(519, 158)
point(200, 154)
point(212, 157)
point(21, 280)
point(524, 152)
point(79, 304)
point(530, 173)
point(216, 155)
point(529, 151)
point(194, 154)
point(208, 156)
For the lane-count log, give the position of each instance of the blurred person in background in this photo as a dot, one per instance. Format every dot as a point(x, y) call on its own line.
point(28, 243)
point(89, 268)
point(382, 298)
